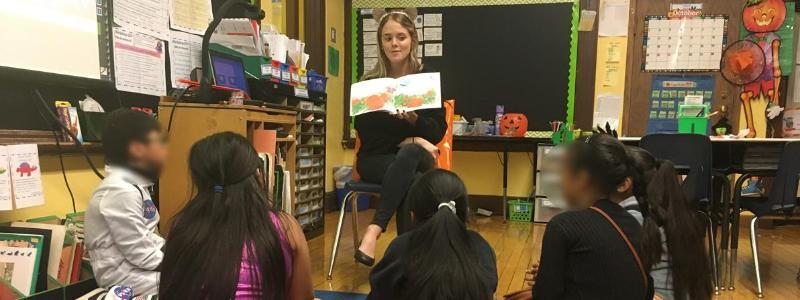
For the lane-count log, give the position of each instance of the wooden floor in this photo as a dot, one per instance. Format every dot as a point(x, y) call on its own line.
point(517, 244)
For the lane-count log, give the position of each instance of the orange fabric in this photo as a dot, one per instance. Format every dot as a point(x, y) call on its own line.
point(445, 160)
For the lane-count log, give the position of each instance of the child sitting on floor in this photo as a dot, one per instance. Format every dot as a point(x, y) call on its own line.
point(440, 258)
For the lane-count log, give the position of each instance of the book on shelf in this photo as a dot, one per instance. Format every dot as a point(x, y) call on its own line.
point(75, 236)
point(57, 235)
point(24, 253)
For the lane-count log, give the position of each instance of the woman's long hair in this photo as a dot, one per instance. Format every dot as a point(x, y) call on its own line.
point(664, 204)
point(228, 214)
point(381, 68)
point(441, 264)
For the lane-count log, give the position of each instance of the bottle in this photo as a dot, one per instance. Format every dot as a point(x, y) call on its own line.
point(499, 110)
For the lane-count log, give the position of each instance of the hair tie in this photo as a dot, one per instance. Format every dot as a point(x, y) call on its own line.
point(451, 205)
point(218, 189)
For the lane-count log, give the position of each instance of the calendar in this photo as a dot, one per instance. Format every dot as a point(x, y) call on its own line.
point(684, 45)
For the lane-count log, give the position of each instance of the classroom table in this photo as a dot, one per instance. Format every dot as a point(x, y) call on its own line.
point(499, 144)
point(759, 156)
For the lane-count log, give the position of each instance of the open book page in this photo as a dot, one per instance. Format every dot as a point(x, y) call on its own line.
point(418, 91)
point(407, 93)
point(372, 95)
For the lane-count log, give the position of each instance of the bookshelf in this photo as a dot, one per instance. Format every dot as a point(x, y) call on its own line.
point(311, 122)
point(192, 122)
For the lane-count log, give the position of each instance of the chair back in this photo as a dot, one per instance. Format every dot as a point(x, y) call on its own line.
point(445, 160)
point(783, 194)
point(689, 152)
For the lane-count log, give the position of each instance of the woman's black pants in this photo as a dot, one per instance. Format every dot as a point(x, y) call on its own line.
point(395, 173)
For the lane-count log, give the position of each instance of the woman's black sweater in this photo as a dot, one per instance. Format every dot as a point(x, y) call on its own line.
point(584, 257)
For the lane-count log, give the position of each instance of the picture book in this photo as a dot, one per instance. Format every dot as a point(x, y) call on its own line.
point(407, 93)
point(20, 258)
point(58, 233)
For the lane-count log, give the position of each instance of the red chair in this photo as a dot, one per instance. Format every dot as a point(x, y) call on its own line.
point(358, 187)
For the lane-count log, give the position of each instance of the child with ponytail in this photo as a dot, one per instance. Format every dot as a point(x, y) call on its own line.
point(440, 258)
point(672, 235)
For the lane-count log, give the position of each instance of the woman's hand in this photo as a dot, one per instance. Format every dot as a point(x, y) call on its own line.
point(431, 148)
point(409, 116)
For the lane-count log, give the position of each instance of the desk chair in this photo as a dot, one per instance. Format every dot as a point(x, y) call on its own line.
point(781, 201)
point(691, 154)
point(357, 187)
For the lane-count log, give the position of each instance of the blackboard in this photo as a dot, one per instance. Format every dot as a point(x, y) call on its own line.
point(518, 56)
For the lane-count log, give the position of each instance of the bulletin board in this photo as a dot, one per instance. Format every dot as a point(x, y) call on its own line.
point(520, 54)
point(667, 92)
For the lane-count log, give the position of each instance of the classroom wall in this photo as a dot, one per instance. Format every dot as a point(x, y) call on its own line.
point(57, 200)
point(336, 155)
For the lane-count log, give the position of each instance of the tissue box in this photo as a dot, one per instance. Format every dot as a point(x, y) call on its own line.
point(92, 124)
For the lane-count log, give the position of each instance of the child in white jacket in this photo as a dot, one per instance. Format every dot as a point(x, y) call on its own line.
point(122, 219)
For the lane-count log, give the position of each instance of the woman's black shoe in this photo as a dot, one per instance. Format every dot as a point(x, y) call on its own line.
point(364, 259)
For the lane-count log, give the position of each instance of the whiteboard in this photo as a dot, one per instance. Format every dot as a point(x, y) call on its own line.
point(53, 36)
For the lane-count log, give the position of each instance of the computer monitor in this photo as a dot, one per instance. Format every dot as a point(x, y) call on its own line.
point(228, 71)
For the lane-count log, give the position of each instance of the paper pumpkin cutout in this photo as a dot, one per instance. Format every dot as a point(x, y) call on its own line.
point(513, 125)
point(763, 18)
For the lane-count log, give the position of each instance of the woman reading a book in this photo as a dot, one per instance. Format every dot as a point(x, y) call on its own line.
point(395, 147)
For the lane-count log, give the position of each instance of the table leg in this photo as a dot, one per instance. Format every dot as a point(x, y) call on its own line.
point(734, 238)
point(505, 184)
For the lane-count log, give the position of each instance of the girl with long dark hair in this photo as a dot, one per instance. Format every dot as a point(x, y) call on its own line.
point(229, 242)
point(440, 258)
point(672, 238)
point(591, 252)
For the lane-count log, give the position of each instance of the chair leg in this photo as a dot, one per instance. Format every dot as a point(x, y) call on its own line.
point(724, 231)
point(712, 248)
point(754, 247)
point(354, 216)
point(335, 248)
point(734, 239)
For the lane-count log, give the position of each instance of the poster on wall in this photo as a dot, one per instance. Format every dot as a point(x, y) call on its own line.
point(684, 45)
point(770, 24)
point(667, 92)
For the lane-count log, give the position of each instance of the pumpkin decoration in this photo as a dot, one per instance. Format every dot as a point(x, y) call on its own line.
point(515, 125)
point(764, 15)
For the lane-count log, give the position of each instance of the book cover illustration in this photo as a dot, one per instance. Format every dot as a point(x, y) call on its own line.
point(407, 93)
point(19, 260)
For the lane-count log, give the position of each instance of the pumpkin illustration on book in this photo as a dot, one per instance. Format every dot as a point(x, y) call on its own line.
point(515, 125)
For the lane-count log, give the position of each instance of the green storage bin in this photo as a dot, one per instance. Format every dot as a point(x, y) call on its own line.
point(693, 118)
point(520, 210)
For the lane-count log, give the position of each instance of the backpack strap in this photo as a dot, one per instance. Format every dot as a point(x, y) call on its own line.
point(628, 242)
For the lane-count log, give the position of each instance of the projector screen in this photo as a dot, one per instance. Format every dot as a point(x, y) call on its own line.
point(53, 36)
